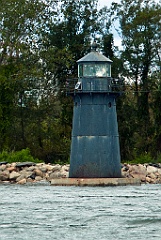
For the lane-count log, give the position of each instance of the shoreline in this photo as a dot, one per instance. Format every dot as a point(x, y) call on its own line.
point(29, 172)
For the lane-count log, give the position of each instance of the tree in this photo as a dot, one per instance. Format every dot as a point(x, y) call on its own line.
point(156, 106)
point(140, 27)
point(76, 22)
point(68, 39)
point(21, 23)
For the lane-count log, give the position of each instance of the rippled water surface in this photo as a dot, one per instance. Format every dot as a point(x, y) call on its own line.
point(42, 212)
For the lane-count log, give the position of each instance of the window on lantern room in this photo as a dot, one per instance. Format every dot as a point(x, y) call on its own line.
point(88, 70)
point(102, 70)
point(94, 70)
point(80, 71)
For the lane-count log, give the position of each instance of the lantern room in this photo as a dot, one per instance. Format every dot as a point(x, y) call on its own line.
point(94, 64)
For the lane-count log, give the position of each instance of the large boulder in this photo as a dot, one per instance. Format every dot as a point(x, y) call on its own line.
point(159, 171)
point(38, 178)
point(22, 181)
point(65, 168)
point(14, 175)
point(25, 173)
point(11, 168)
point(39, 173)
point(55, 174)
point(4, 175)
point(21, 177)
point(64, 172)
point(50, 167)
point(138, 171)
point(56, 168)
point(151, 169)
point(3, 167)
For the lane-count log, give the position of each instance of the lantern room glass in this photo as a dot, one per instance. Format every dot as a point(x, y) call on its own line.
point(94, 70)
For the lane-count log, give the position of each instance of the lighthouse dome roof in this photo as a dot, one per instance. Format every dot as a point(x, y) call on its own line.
point(94, 56)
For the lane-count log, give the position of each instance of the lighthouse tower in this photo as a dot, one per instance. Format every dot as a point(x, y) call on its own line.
point(95, 151)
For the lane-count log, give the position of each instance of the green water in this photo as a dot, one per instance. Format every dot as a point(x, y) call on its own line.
point(43, 212)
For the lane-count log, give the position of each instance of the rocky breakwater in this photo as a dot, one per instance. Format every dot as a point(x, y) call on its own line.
point(28, 172)
point(147, 173)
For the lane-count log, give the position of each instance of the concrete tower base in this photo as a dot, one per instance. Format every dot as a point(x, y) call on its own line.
point(94, 182)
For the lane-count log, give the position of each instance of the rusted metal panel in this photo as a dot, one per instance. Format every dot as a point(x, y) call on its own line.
point(95, 156)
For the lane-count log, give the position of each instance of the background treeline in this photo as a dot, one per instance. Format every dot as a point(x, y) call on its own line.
point(40, 42)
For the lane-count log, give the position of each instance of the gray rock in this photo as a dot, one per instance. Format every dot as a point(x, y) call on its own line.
point(56, 168)
point(124, 173)
point(159, 171)
point(25, 164)
point(50, 167)
point(64, 174)
point(65, 168)
point(157, 165)
point(55, 174)
point(151, 169)
point(3, 167)
point(38, 178)
point(14, 175)
point(152, 175)
point(4, 175)
point(22, 181)
point(1, 163)
point(32, 168)
point(32, 176)
point(20, 178)
point(25, 173)
point(43, 169)
point(138, 171)
point(39, 173)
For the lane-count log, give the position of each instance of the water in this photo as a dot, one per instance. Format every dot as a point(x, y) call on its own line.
point(42, 212)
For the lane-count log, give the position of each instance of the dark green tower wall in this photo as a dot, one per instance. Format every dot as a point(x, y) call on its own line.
point(95, 151)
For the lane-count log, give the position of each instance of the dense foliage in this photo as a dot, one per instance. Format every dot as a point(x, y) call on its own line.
point(18, 156)
point(40, 42)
